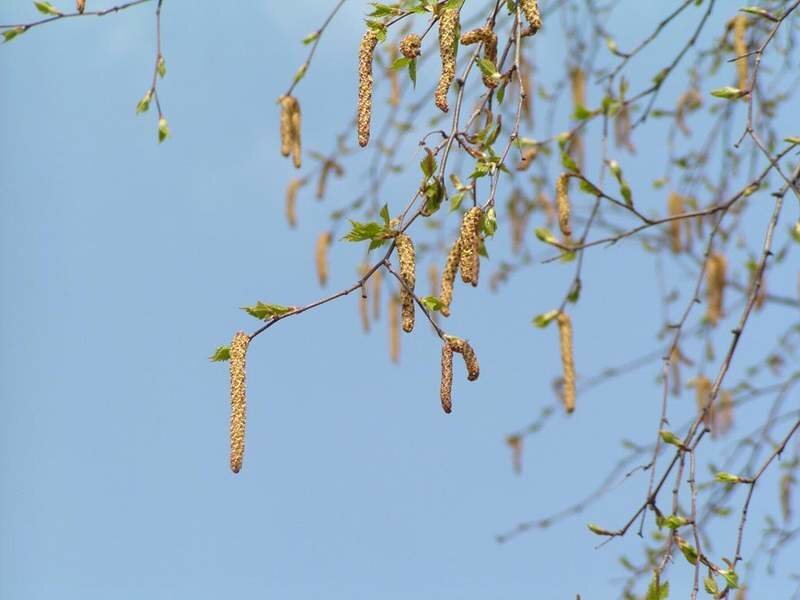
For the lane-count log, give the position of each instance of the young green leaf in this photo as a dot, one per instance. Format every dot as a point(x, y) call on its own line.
point(689, 551)
point(670, 438)
point(728, 93)
point(10, 34)
point(220, 354)
point(545, 235)
point(265, 312)
point(731, 578)
point(432, 303)
point(144, 104)
point(161, 67)
point(710, 586)
point(727, 477)
point(47, 9)
point(657, 590)
point(163, 129)
point(544, 319)
point(365, 231)
point(596, 529)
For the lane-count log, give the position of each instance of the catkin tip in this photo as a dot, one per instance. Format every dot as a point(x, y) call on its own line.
point(238, 356)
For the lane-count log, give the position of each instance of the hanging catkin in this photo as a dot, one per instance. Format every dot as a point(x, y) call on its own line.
point(446, 387)
point(448, 47)
point(394, 328)
point(368, 43)
point(410, 46)
point(363, 300)
point(80, 5)
point(675, 207)
point(463, 348)
point(449, 276)
point(489, 39)
point(702, 387)
point(469, 261)
point(290, 128)
point(291, 201)
point(321, 256)
point(238, 357)
point(530, 8)
point(740, 48)
point(376, 279)
point(405, 252)
point(567, 360)
point(563, 204)
point(715, 283)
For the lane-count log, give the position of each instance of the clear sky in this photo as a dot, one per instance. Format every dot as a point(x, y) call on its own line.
point(122, 264)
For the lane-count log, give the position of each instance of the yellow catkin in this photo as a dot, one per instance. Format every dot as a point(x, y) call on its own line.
point(567, 360)
point(321, 256)
point(449, 277)
point(322, 182)
point(238, 352)
point(363, 300)
point(563, 204)
point(740, 48)
point(527, 158)
point(377, 280)
point(394, 328)
point(446, 387)
point(702, 387)
point(80, 5)
point(291, 201)
point(290, 128)
point(448, 48)
point(469, 261)
point(466, 351)
point(405, 252)
point(410, 46)
point(530, 8)
point(675, 206)
point(489, 40)
point(515, 443)
point(723, 414)
point(622, 129)
point(715, 283)
point(368, 43)
point(786, 484)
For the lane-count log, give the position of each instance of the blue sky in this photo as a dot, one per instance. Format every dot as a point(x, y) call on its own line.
point(122, 266)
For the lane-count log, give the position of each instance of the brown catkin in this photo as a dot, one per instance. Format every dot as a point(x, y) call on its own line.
point(702, 387)
point(291, 201)
point(622, 129)
point(449, 277)
point(469, 261)
point(740, 48)
point(448, 48)
point(446, 387)
point(238, 357)
point(80, 5)
point(468, 354)
point(394, 329)
point(321, 256)
point(405, 252)
point(715, 282)
point(563, 204)
point(675, 207)
point(377, 279)
point(530, 8)
point(290, 128)
point(515, 443)
point(489, 39)
point(368, 43)
point(363, 300)
point(567, 360)
point(410, 46)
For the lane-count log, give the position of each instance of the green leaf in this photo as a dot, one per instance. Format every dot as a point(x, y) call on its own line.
point(456, 199)
point(400, 63)
point(488, 69)
point(795, 232)
point(670, 438)
point(161, 67)
point(727, 477)
point(385, 215)
point(545, 235)
point(428, 164)
point(792, 140)
point(163, 129)
point(760, 12)
point(47, 9)
point(434, 193)
point(596, 529)
point(412, 72)
point(731, 578)
point(301, 72)
point(728, 93)
point(581, 113)
point(365, 231)
point(689, 551)
point(310, 37)
point(432, 303)
point(490, 222)
point(624, 188)
point(589, 188)
point(657, 590)
point(710, 586)
point(569, 163)
point(222, 353)
point(674, 521)
point(10, 34)
point(544, 319)
point(144, 103)
point(265, 312)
